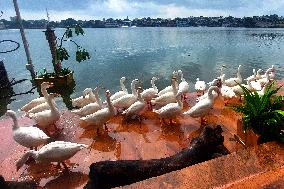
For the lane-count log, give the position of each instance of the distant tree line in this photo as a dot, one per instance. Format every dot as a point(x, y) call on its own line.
point(265, 21)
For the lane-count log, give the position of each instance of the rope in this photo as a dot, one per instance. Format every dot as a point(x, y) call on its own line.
point(8, 40)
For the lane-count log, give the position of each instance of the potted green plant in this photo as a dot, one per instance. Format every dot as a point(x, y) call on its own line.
point(263, 114)
point(62, 76)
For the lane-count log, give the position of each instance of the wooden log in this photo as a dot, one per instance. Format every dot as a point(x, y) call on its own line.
point(108, 174)
point(17, 185)
point(4, 81)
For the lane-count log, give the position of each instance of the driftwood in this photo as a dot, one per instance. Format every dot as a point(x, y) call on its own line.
point(6, 90)
point(17, 185)
point(107, 174)
point(3, 75)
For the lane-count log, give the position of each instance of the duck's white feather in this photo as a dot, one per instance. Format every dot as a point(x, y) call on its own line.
point(170, 110)
point(87, 98)
point(128, 99)
point(92, 107)
point(164, 99)
point(27, 136)
point(136, 108)
point(233, 81)
point(35, 102)
point(150, 93)
point(183, 87)
point(200, 85)
point(168, 88)
point(101, 116)
point(88, 109)
point(203, 106)
point(46, 117)
point(43, 106)
point(57, 151)
point(120, 93)
point(125, 101)
point(227, 92)
point(30, 136)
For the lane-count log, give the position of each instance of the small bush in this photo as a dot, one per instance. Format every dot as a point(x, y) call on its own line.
point(263, 114)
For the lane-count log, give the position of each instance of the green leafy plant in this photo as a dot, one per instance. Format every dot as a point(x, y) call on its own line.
point(62, 54)
point(44, 74)
point(263, 114)
point(81, 53)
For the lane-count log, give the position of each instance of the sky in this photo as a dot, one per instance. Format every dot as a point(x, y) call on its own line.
point(98, 9)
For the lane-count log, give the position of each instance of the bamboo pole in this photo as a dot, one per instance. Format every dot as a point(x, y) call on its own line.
point(29, 66)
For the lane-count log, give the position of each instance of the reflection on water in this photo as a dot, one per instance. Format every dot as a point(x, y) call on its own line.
point(174, 133)
point(68, 180)
point(51, 176)
point(268, 39)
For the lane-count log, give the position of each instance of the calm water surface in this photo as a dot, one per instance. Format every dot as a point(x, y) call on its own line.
point(145, 52)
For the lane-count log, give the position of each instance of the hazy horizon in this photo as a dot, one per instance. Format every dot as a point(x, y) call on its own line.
point(99, 9)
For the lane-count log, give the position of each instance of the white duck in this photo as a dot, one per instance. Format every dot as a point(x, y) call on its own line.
point(87, 98)
point(256, 86)
point(265, 79)
point(263, 90)
point(258, 74)
point(92, 107)
point(183, 86)
point(43, 106)
point(233, 81)
point(252, 76)
point(35, 102)
point(222, 75)
point(150, 93)
point(239, 91)
point(101, 116)
point(137, 107)
point(168, 88)
point(30, 137)
point(128, 99)
point(200, 86)
point(271, 72)
point(47, 117)
point(170, 110)
point(169, 97)
point(216, 82)
point(57, 151)
point(227, 92)
point(201, 108)
point(120, 93)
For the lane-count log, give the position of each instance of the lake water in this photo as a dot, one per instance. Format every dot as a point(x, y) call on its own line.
point(145, 52)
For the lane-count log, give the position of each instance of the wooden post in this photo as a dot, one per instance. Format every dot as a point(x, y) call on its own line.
point(4, 81)
point(29, 66)
point(51, 38)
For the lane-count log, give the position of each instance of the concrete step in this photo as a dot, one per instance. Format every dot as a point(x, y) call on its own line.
point(245, 168)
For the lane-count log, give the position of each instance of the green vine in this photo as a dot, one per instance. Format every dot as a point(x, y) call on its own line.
point(81, 53)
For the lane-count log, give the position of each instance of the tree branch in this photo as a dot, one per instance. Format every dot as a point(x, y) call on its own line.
point(17, 94)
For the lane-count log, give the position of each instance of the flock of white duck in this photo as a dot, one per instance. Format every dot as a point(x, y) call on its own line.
point(168, 104)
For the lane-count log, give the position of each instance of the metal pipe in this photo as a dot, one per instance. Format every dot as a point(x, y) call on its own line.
point(29, 66)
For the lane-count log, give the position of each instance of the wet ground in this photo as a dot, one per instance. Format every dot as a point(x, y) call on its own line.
point(126, 139)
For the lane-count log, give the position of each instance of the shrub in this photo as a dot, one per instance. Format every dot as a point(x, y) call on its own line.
point(263, 114)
